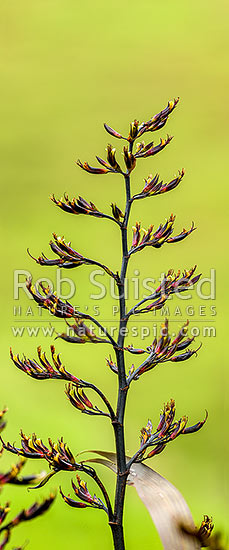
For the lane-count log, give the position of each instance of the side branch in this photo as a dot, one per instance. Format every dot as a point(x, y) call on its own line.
point(172, 283)
point(80, 206)
point(67, 257)
point(166, 431)
point(164, 349)
point(60, 458)
point(92, 473)
point(101, 327)
point(45, 371)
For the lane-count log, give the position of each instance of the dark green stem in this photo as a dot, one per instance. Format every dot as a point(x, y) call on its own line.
point(118, 536)
point(118, 423)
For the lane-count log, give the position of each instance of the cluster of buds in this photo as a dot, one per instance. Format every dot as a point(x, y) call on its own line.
point(77, 206)
point(25, 515)
point(205, 529)
point(155, 123)
point(68, 258)
point(81, 334)
point(159, 237)
point(163, 350)
point(80, 401)
point(172, 283)
point(81, 206)
point(111, 166)
point(50, 301)
point(203, 535)
point(166, 431)
point(86, 499)
point(43, 370)
point(64, 310)
point(154, 187)
point(58, 455)
point(143, 150)
point(13, 476)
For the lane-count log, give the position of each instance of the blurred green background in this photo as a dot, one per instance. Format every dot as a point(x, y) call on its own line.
point(66, 68)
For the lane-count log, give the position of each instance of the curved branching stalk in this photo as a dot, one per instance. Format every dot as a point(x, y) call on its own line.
point(162, 349)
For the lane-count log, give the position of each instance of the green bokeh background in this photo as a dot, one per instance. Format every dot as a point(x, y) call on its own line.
point(66, 67)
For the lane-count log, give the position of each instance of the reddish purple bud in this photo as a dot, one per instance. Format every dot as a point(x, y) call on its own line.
point(182, 235)
point(92, 170)
point(178, 427)
point(158, 449)
point(136, 235)
point(83, 494)
point(183, 356)
point(173, 183)
point(112, 132)
point(137, 351)
point(196, 427)
point(73, 503)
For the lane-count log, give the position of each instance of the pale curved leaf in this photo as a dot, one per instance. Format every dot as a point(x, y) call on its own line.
point(167, 507)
